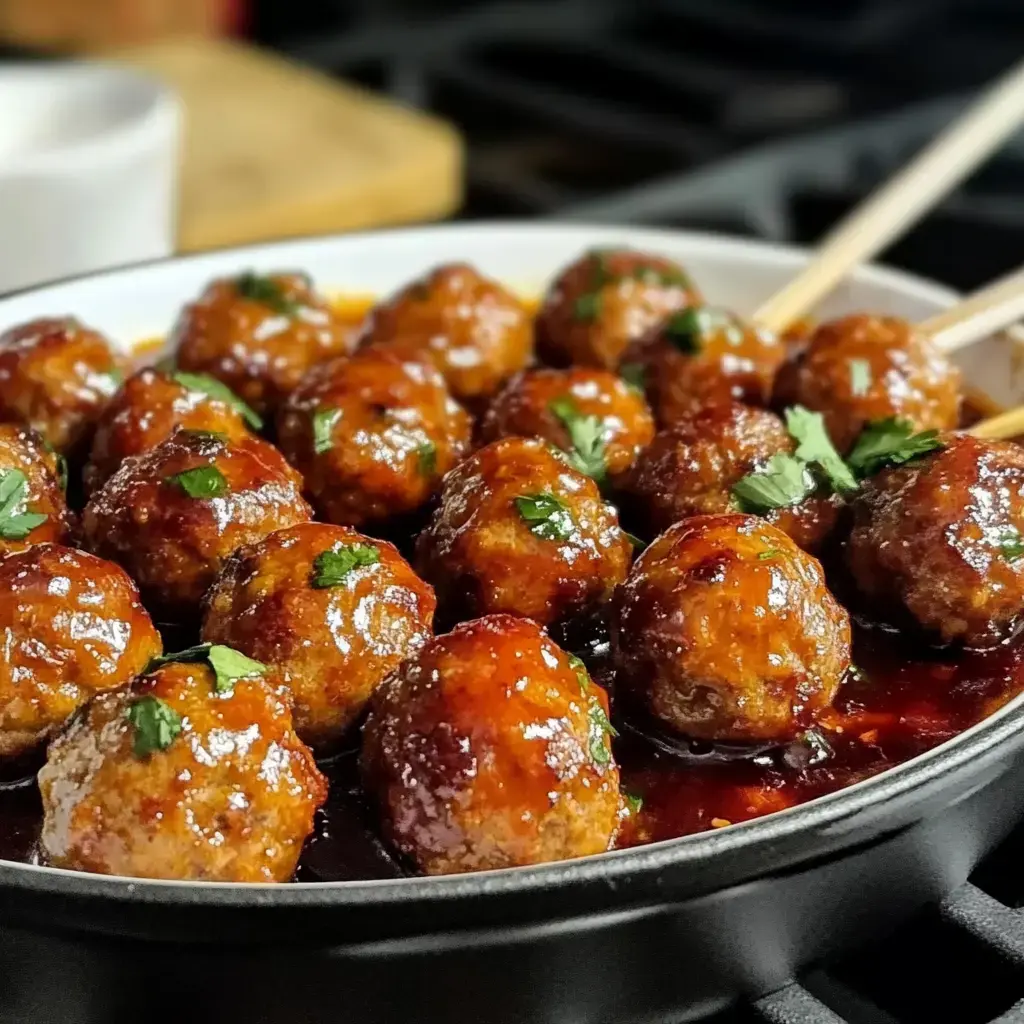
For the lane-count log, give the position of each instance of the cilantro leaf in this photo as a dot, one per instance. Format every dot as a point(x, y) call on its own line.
point(634, 801)
point(860, 377)
point(685, 330)
point(1011, 544)
point(426, 458)
point(587, 306)
point(546, 516)
point(323, 424)
point(638, 542)
point(600, 731)
point(586, 434)
point(889, 442)
point(784, 481)
point(634, 375)
point(197, 653)
point(815, 446)
point(16, 525)
point(582, 675)
point(229, 665)
point(156, 724)
point(219, 391)
point(263, 289)
point(201, 482)
point(331, 567)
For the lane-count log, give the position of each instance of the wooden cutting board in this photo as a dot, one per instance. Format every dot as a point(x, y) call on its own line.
point(274, 150)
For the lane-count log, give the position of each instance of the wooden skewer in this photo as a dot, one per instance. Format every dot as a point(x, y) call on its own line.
point(999, 428)
point(943, 164)
point(993, 308)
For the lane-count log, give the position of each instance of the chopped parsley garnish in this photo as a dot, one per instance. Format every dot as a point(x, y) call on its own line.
point(15, 525)
point(331, 567)
point(634, 801)
point(546, 516)
point(156, 724)
point(228, 665)
point(860, 377)
point(426, 458)
point(638, 542)
point(586, 436)
point(207, 435)
point(576, 664)
point(323, 424)
point(259, 288)
point(1011, 544)
point(600, 731)
point(201, 482)
point(815, 446)
point(685, 330)
point(587, 306)
point(889, 442)
point(219, 391)
point(634, 375)
point(763, 556)
point(784, 481)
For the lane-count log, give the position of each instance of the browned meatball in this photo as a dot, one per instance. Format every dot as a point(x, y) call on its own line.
point(519, 530)
point(259, 334)
point(491, 749)
point(150, 406)
point(73, 625)
point(33, 508)
point(57, 376)
point(174, 514)
point(372, 436)
point(690, 469)
point(598, 419)
point(187, 774)
point(605, 300)
point(861, 368)
point(942, 538)
point(702, 356)
point(725, 630)
point(333, 611)
point(474, 331)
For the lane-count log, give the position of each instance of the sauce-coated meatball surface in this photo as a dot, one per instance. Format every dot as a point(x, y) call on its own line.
point(593, 415)
point(56, 376)
point(174, 514)
point(259, 334)
point(725, 630)
point(333, 611)
point(73, 625)
point(605, 300)
point(183, 775)
point(941, 537)
point(491, 749)
point(372, 436)
point(862, 368)
point(519, 530)
point(475, 331)
point(149, 407)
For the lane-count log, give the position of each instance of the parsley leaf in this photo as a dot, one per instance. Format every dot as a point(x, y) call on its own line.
point(259, 288)
point(634, 801)
point(218, 390)
point(587, 307)
point(1011, 545)
point(323, 425)
point(16, 525)
point(600, 731)
point(201, 482)
point(229, 665)
point(156, 724)
point(586, 434)
point(763, 556)
point(638, 542)
point(332, 566)
point(860, 377)
point(197, 653)
point(889, 442)
point(546, 516)
point(582, 675)
point(784, 481)
point(685, 330)
point(634, 375)
point(808, 428)
point(426, 458)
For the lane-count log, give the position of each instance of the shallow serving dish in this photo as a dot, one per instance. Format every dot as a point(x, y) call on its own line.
point(661, 932)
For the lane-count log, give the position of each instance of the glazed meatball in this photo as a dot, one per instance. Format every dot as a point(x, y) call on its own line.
point(57, 376)
point(726, 631)
point(598, 419)
point(519, 530)
point(690, 469)
point(187, 774)
point(940, 539)
point(491, 749)
point(150, 406)
point(259, 334)
point(474, 331)
point(33, 507)
point(73, 625)
point(372, 436)
point(702, 356)
point(605, 300)
point(859, 369)
point(174, 514)
point(333, 611)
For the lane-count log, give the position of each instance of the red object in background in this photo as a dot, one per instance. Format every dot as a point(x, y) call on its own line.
point(235, 17)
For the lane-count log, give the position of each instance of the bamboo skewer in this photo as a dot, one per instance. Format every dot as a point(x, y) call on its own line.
point(943, 164)
point(994, 308)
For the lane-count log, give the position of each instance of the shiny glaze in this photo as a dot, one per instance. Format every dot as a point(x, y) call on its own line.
point(388, 408)
point(907, 377)
point(330, 645)
point(480, 751)
point(174, 545)
point(230, 799)
point(56, 376)
point(259, 352)
point(72, 625)
point(523, 409)
point(482, 557)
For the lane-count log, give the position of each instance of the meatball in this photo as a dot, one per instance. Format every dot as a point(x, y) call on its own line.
point(690, 469)
point(861, 368)
point(702, 356)
point(372, 436)
point(490, 748)
point(57, 376)
point(474, 331)
point(331, 610)
point(941, 540)
point(187, 774)
point(172, 516)
point(726, 631)
point(259, 334)
point(593, 415)
point(519, 530)
point(150, 406)
point(605, 300)
point(73, 625)
point(33, 507)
